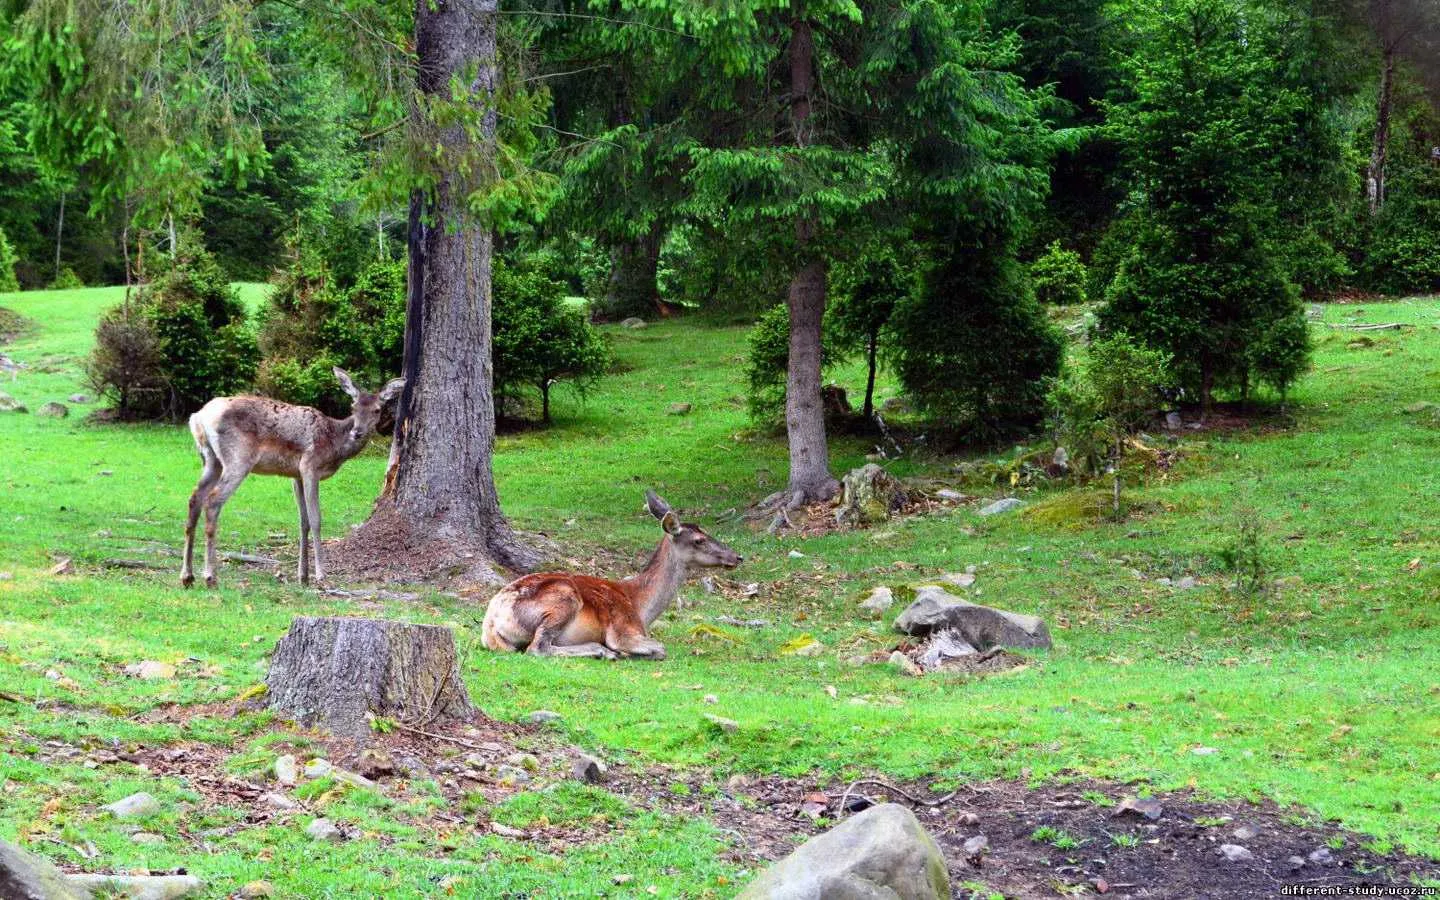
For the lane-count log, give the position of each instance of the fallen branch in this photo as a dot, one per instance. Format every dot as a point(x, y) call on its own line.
point(1381, 326)
point(250, 558)
point(133, 564)
point(440, 737)
point(845, 797)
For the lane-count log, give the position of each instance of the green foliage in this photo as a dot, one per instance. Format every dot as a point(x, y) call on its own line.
point(767, 363)
point(1059, 276)
point(1245, 554)
point(65, 280)
point(8, 259)
point(183, 340)
point(973, 348)
point(1403, 249)
point(1201, 279)
point(1105, 394)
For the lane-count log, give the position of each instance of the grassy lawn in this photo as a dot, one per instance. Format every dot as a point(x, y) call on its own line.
point(1323, 692)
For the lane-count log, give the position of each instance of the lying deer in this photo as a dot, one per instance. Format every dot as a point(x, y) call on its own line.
point(240, 435)
point(557, 614)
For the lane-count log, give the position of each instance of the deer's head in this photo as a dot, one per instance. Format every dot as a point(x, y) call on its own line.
point(365, 409)
point(696, 549)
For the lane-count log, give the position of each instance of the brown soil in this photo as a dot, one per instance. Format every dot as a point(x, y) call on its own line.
point(1175, 855)
point(386, 550)
point(12, 325)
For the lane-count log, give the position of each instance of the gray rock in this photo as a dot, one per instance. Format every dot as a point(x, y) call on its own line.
point(147, 838)
point(1004, 505)
point(982, 627)
point(511, 775)
point(80, 398)
point(959, 579)
point(1173, 422)
point(949, 495)
point(318, 768)
point(255, 889)
point(904, 663)
point(726, 725)
point(1235, 853)
point(1185, 583)
point(1296, 863)
point(880, 853)
point(278, 801)
point(977, 845)
point(287, 770)
point(26, 876)
point(1145, 807)
point(868, 495)
point(135, 806)
point(944, 646)
point(544, 717)
point(878, 603)
point(588, 769)
point(527, 761)
point(1060, 459)
point(54, 410)
point(679, 409)
point(632, 322)
point(10, 404)
point(137, 887)
point(1322, 857)
point(896, 405)
point(1245, 833)
point(324, 830)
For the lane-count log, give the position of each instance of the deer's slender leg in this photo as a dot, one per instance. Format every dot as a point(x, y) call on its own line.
point(229, 482)
point(312, 512)
point(208, 476)
point(634, 642)
point(304, 574)
point(556, 614)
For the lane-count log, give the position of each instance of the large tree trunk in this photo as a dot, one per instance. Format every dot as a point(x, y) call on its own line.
point(440, 490)
point(810, 477)
point(336, 673)
point(634, 288)
point(1375, 173)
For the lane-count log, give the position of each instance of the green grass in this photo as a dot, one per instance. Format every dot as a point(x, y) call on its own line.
point(1322, 692)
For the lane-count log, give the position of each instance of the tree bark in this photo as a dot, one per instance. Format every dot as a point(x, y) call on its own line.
point(634, 287)
point(338, 672)
point(440, 485)
point(59, 234)
point(810, 477)
point(1375, 174)
point(872, 351)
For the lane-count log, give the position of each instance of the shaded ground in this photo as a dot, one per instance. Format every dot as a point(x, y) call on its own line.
point(1079, 838)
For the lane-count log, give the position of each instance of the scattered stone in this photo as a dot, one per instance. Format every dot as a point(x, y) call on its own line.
point(904, 663)
point(287, 770)
point(10, 404)
point(1322, 857)
point(1419, 407)
point(80, 398)
point(804, 645)
point(982, 627)
point(255, 889)
point(476, 761)
point(135, 806)
point(878, 603)
point(710, 698)
point(1245, 833)
point(796, 554)
point(743, 623)
point(632, 322)
point(1173, 422)
point(943, 647)
point(588, 769)
point(869, 495)
point(679, 409)
point(1059, 463)
point(148, 838)
point(1148, 808)
point(7, 576)
point(527, 761)
point(881, 852)
point(1235, 853)
point(959, 579)
point(977, 845)
point(374, 763)
point(278, 801)
point(949, 496)
point(53, 410)
point(506, 831)
point(1204, 751)
point(1004, 505)
point(1185, 583)
point(726, 725)
point(1296, 863)
point(351, 778)
point(511, 775)
point(150, 670)
point(27, 876)
point(318, 768)
point(63, 567)
point(707, 584)
point(968, 818)
point(544, 717)
point(137, 887)
point(324, 830)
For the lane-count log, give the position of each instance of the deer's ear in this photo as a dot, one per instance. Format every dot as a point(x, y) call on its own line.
point(658, 508)
point(670, 523)
point(392, 390)
point(346, 384)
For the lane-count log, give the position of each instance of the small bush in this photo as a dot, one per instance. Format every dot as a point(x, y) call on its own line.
point(184, 340)
point(8, 281)
point(66, 280)
point(1059, 276)
point(768, 362)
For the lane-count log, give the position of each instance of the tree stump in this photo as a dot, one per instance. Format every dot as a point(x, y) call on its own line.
point(332, 672)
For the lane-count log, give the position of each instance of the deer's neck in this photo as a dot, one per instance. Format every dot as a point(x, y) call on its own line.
point(344, 440)
point(654, 588)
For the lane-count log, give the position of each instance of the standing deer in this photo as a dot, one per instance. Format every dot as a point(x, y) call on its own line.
point(558, 614)
point(240, 435)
